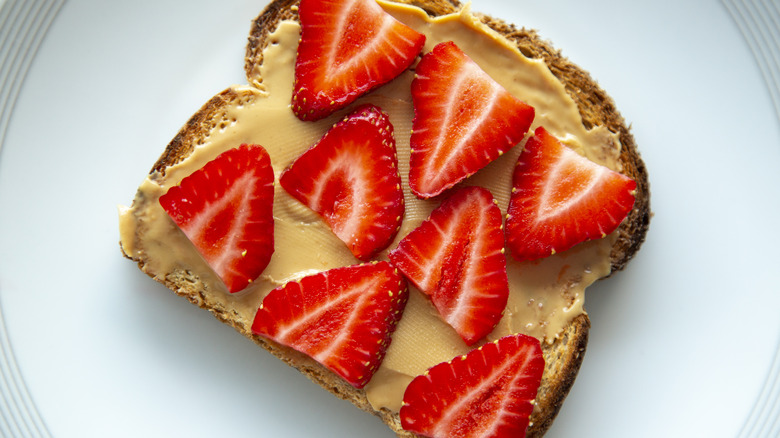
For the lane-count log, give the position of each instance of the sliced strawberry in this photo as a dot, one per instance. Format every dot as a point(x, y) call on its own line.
point(486, 393)
point(343, 318)
point(350, 177)
point(226, 210)
point(463, 120)
point(457, 258)
point(560, 198)
point(347, 48)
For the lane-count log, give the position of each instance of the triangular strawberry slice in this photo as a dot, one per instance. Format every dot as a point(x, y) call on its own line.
point(347, 48)
point(342, 318)
point(486, 393)
point(350, 177)
point(560, 198)
point(463, 120)
point(226, 210)
point(457, 258)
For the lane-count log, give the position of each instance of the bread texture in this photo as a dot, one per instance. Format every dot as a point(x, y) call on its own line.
point(564, 356)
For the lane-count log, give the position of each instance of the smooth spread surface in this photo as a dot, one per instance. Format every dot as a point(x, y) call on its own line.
point(544, 295)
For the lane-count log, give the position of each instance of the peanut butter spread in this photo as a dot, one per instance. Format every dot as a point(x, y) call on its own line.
point(544, 295)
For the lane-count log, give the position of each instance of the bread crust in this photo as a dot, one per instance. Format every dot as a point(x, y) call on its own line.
point(563, 356)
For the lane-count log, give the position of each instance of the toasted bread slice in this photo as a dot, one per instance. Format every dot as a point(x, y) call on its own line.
point(563, 356)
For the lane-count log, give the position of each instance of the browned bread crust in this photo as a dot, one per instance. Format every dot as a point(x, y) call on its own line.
point(564, 356)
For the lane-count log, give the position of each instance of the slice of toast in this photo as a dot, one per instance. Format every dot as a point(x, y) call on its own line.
point(563, 356)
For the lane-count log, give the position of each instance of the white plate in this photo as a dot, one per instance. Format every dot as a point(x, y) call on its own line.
point(683, 342)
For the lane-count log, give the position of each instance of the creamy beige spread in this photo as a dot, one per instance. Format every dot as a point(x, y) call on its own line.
point(545, 295)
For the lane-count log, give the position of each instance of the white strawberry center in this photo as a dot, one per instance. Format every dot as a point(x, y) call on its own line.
point(348, 55)
point(323, 346)
point(345, 174)
point(467, 108)
point(570, 181)
point(232, 209)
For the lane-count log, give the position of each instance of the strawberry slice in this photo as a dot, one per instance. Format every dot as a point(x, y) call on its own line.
point(226, 210)
point(486, 393)
point(457, 258)
point(463, 120)
point(560, 198)
point(347, 48)
point(350, 178)
point(343, 318)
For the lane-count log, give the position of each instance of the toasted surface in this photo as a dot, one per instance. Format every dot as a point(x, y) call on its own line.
point(563, 356)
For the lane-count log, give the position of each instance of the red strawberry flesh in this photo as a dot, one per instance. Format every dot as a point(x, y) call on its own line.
point(343, 318)
point(463, 120)
point(350, 178)
point(560, 199)
point(226, 210)
point(486, 393)
point(457, 258)
point(347, 48)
